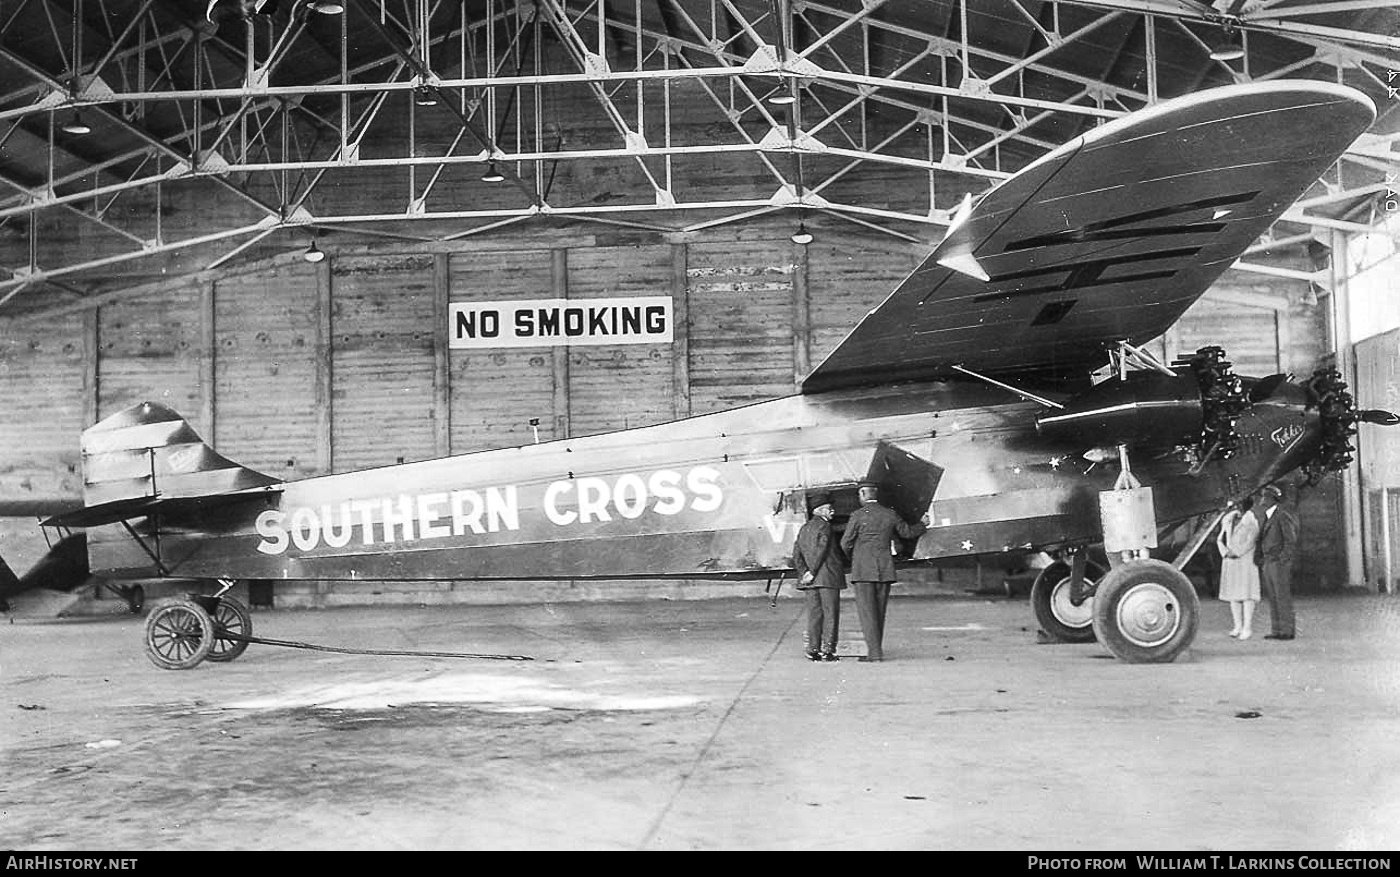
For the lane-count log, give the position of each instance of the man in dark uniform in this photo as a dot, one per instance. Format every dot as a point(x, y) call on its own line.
point(869, 535)
point(821, 573)
point(1278, 541)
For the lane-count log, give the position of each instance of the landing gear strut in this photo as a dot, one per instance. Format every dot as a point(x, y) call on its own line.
point(1144, 610)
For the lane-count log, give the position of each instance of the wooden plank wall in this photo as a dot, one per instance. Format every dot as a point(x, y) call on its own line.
point(495, 393)
point(298, 370)
point(850, 280)
point(266, 370)
point(741, 310)
point(1249, 336)
point(150, 348)
point(624, 385)
point(45, 388)
point(383, 329)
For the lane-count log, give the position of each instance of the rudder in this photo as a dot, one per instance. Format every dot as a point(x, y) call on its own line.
point(146, 454)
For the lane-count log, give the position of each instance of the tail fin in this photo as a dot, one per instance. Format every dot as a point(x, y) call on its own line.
point(146, 455)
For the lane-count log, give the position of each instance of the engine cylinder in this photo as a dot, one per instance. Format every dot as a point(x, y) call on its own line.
point(1148, 409)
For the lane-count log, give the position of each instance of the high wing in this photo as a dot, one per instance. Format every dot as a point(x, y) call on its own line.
point(1110, 237)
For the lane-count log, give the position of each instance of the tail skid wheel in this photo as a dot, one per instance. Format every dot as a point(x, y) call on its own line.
point(1146, 612)
point(230, 616)
point(134, 595)
point(1061, 620)
point(179, 634)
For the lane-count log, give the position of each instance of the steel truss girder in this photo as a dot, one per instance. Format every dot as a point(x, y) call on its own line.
point(1263, 20)
point(792, 67)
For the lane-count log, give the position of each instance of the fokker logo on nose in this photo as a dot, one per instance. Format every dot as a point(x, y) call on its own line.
point(1286, 435)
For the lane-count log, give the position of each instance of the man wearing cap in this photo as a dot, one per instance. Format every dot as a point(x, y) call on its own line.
point(821, 573)
point(1278, 540)
point(869, 535)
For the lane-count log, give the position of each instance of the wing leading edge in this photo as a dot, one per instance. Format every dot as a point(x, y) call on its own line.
point(1110, 237)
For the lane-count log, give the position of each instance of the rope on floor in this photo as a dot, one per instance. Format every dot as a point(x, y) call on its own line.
point(289, 644)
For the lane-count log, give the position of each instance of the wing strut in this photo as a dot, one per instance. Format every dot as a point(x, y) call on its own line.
point(1024, 394)
point(153, 555)
point(1128, 354)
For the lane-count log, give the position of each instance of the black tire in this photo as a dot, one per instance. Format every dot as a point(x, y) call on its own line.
point(179, 634)
point(1146, 612)
point(1061, 620)
point(135, 599)
point(230, 616)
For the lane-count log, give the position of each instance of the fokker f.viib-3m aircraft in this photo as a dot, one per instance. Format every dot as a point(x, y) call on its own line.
point(967, 395)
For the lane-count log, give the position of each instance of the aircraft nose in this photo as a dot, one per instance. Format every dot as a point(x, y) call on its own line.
point(1338, 416)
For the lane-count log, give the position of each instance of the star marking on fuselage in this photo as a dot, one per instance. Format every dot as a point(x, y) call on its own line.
point(967, 545)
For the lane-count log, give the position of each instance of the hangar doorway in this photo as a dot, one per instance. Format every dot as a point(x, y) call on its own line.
point(1378, 386)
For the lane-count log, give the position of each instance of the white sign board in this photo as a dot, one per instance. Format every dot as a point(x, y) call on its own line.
point(554, 322)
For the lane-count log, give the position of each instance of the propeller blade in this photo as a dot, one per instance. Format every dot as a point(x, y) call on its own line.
point(1378, 417)
point(1266, 387)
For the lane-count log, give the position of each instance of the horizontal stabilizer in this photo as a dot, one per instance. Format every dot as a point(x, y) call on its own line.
point(64, 568)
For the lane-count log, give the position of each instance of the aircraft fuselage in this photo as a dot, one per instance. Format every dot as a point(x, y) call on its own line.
point(716, 495)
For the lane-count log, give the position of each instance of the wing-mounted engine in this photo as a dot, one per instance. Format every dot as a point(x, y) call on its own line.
point(1192, 406)
point(1223, 400)
point(1141, 408)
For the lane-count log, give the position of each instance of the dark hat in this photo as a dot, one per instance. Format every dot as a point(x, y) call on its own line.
point(818, 499)
point(870, 484)
point(1273, 491)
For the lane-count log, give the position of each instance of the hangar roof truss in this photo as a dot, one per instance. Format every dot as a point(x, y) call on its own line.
point(282, 123)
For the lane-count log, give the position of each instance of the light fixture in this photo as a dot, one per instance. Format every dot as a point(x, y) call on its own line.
point(313, 253)
point(782, 97)
point(802, 235)
point(76, 125)
point(492, 175)
point(424, 97)
point(1319, 255)
point(325, 7)
point(1228, 48)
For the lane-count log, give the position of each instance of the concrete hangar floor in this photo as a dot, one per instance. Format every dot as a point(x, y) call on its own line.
point(699, 725)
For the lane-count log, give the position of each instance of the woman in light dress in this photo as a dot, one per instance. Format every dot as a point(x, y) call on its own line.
point(1239, 577)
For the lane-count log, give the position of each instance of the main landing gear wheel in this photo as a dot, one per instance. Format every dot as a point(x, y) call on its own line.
point(230, 616)
point(1061, 620)
point(1146, 612)
point(179, 634)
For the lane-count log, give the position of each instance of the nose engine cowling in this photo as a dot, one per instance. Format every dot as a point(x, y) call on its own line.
point(1338, 417)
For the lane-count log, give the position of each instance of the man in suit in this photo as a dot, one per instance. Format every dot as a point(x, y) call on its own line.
point(1278, 544)
point(821, 573)
point(868, 539)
